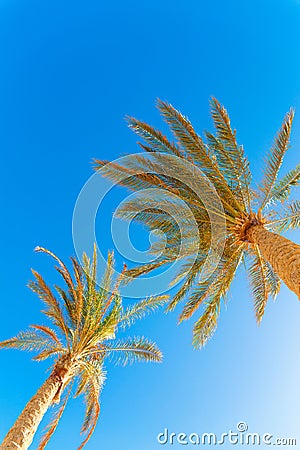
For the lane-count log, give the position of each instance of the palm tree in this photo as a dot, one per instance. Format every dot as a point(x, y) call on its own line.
point(86, 318)
point(254, 218)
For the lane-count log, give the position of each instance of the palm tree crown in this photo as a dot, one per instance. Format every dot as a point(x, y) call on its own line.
point(86, 318)
point(252, 217)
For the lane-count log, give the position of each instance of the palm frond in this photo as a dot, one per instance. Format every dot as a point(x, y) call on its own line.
point(275, 159)
point(107, 328)
point(97, 303)
point(45, 354)
point(179, 224)
point(183, 131)
point(144, 269)
point(216, 286)
point(49, 332)
point(53, 311)
point(69, 304)
point(28, 340)
point(127, 177)
point(90, 366)
point(157, 141)
point(93, 378)
point(206, 325)
point(76, 313)
point(133, 349)
point(62, 270)
point(233, 189)
point(92, 411)
point(107, 279)
point(289, 220)
point(90, 271)
point(198, 153)
point(92, 415)
point(114, 295)
point(258, 282)
point(273, 280)
point(230, 155)
point(163, 173)
point(282, 188)
point(190, 273)
point(141, 309)
point(54, 421)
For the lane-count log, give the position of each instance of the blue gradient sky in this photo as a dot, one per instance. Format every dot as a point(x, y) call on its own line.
point(70, 71)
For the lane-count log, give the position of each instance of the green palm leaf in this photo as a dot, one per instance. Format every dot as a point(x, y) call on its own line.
point(289, 220)
point(258, 281)
point(157, 141)
point(275, 159)
point(230, 155)
point(206, 325)
point(216, 286)
point(282, 188)
point(28, 340)
point(133, 349)
point(141, 309)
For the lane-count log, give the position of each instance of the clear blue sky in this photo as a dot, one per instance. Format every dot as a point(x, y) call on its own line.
point(70, 71)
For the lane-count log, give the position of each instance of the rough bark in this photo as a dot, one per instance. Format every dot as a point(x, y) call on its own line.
point(21, 434)
point(282, 254)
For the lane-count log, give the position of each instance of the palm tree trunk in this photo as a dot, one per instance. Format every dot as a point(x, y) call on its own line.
point(22, 432)
point(282, 254)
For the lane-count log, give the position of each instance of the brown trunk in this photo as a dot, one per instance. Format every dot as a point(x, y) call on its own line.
point(22, 432)
point(282, 254)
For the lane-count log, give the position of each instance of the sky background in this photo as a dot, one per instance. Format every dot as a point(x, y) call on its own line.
point(70, 72)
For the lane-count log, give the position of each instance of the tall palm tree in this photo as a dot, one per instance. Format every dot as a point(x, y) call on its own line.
point(254, 218)
point(86, 318)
